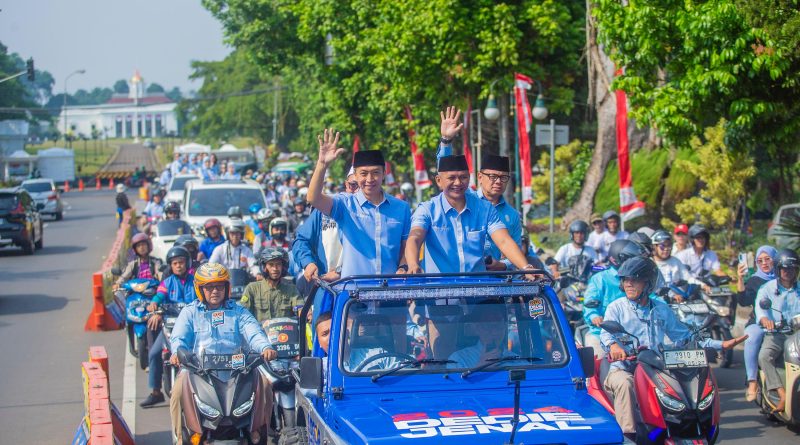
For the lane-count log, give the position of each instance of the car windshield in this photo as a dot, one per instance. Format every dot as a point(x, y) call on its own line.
point(173, 227)
point(179, 183)
point(456, 334)
point(217, 201)
point(38, 187)
point(7, 201)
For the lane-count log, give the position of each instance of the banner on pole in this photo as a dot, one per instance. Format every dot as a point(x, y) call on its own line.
point(630, 207)
point(466, 146)
point(420, 173)
point(522, 84)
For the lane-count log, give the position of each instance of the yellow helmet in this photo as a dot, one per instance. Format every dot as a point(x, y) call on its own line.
point(211, 273)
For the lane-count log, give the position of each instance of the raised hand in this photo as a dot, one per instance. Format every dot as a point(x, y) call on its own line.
point(328, 152)
point(450, 122)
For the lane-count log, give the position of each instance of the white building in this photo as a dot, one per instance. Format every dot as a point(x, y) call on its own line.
point(137, 114)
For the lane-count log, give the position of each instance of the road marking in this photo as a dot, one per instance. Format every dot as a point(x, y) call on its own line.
point(44, 226)
point(129, 391)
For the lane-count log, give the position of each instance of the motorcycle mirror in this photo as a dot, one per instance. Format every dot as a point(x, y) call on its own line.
point(765, 304)
point(612, 327)
point(116, 271)
point(184, 356)
point(591, 304)
point(543, 240)
point(550, 261)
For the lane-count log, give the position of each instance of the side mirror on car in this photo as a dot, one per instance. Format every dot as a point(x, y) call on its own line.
point(311, 374)
point(587, 361)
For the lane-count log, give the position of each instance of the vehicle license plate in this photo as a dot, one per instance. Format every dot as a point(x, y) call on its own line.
point(688, 358)
point(695, 308)
point(223, 361)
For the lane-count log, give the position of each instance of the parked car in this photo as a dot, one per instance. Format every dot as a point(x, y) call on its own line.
point(44, 191)
point(775, 229)
point(212, 199)
point(177, 186)
point(20, 220)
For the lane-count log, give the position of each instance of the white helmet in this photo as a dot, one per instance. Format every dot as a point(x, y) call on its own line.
point(406, 187)
point(303, 192)
point(120, 188)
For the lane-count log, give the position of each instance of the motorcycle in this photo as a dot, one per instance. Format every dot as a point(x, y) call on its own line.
point(571, 286)
point(169, 312)
point(284, 333)
point(677, 393)
point(220, 399)
point(240, 278)
point(790, 373)
point(136, 295)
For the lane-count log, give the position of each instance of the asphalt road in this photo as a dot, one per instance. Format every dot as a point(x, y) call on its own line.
point(44, 302)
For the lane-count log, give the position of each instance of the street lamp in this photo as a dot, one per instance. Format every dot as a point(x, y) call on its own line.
point(65, 100)
point(491, 112)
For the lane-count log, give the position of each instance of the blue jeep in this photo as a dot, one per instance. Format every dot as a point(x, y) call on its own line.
point(447, 359)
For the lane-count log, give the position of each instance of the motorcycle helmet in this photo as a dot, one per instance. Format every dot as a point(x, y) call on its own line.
point(276, 222)
point(173, 207)
point(236, 225)
point(189, 243)
point(273, 253)
point(302, 192)
point(212, 222)
point(647, 231)
point(698, 230)
point(300, 201)
point(622, 250)
point(209, 273)
point(264, 215)
point(642, 269)
point(642, 240)
point(579, 226)
point(254, 208)
point(178, 251)
point(660, 236)
point(610, 214)
point(120, 188)
point(235, 212)
point(141, 238)
point(786, 259)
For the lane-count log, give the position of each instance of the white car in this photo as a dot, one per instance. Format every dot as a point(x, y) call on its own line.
point(212, 199)
point(788, 211)
point(164, 234)
point(46, 195)
point(176, 187)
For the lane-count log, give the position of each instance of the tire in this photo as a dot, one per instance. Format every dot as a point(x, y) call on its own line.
point(132, 341)
point(59, 216)
point(294, 436)
point(141, 345)
point(39, 244)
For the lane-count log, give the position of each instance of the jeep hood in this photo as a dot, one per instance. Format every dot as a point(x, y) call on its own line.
point(547, 417)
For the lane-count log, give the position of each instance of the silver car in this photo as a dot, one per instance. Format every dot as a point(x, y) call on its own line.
point(46, 196)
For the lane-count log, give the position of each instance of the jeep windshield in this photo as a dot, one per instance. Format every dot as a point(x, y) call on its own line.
point(217, 201)
point(450, 334)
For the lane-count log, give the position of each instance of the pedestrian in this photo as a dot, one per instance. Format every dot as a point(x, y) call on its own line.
point(122, 203)
point(681, 234)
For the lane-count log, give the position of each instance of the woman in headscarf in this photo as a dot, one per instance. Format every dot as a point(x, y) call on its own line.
point(746, 296)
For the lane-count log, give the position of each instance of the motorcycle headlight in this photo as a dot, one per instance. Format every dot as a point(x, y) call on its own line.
point(139, 287)
point(244, 408)
point(669, 402)
point(206, 409)
point(706, 402)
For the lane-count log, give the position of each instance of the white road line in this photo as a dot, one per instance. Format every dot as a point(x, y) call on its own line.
point(44, 226)
point(129, 391)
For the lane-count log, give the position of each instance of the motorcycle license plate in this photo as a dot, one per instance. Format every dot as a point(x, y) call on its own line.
point(695, 308)
point(687, 358)
point(285, 336)
point(223, 361)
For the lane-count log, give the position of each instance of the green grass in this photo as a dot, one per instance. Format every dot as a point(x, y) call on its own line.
point(90, 156)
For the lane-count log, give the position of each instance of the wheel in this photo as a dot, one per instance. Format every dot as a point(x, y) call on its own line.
point(132, 341)
point(141, 345)
point(725, 357)
point(59, 216)
point(294, 436)
point(39, 244)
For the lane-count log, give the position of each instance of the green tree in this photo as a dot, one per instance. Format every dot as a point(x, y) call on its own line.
point(722, 194)
point(174, 94)
point(571, 162)
point(121, 87)
point(20, 92)
point(154, 88)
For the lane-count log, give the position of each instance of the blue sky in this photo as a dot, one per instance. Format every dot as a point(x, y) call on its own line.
point(112, 38)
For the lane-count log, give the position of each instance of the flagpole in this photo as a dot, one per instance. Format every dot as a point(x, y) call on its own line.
point(517, 179)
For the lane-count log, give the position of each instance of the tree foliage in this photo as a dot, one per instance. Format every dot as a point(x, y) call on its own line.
point(390, 54)
point(571, 163)
point(722, 192)
point(121, 87)
point(21, 92)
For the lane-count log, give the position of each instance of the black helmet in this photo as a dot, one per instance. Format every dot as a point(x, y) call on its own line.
point(178, 251)
point(579, 226)
point(622, 250)
point(235, 212)
point(610, 214)
point(186, 240)
point(300, 201)
point(642, 240)
point(786, 259)
point(698, 230)
point(642, 269)
point(273, 253)
point(660, 236)
point(172, 207)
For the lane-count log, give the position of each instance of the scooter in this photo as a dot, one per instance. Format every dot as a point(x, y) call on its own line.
point(220, 400)
point(677, 393)
point(767, 400)
point(284, 333)
point(137, 294)
point(169, 312)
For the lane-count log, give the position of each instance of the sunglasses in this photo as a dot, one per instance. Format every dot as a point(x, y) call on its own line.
point(216, 286)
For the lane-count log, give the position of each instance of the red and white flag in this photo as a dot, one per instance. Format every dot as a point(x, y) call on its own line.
point(522, 84)
point(629, 206)
point(420, 173)
point(466, 146)
point(356, 144)
point(388, 177)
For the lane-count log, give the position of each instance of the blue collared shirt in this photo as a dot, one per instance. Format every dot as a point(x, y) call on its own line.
point(787, 301)
point(371, 235)
point(650, 324)
point(510, 218)
point(225, 330)
point(455, 241)
point(604, 287)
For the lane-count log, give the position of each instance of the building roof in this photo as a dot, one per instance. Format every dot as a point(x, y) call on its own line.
point(147, 100)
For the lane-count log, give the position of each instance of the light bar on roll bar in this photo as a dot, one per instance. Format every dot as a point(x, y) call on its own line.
point(508, 274)
point(410, 293)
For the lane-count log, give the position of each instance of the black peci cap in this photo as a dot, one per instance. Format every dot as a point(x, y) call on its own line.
point(368, 158)
point(453, 163)
point(492, 162)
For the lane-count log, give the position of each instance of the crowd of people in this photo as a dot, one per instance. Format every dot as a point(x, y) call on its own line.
point(315, 230)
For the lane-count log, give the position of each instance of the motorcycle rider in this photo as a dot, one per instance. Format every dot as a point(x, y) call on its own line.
point(274, 296)
point(233, 254)
point(784, 293)
point(681, 233)
point(188, 242)
point(263, 218)
point(252, 223)
point(232, 328)
point(214, 238)
point(612, 221)
point(154, 209)
point(671, 268)
point(596, 239)
point(299, 214)
point(650, 320)
point(698, 257)
point(578, 232)
point(144, 265)
point(172, 212)
point(177, 287)
point(604, 287)
point(643, 240)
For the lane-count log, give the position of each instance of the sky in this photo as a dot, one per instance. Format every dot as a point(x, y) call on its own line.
point(111, 39)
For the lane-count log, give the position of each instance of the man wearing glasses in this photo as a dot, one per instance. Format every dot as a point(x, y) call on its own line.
point(672, 269)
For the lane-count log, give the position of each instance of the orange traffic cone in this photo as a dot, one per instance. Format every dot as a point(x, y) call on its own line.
point(66, 186)
point(111, 184)
point(97, 184)
point(80, 184)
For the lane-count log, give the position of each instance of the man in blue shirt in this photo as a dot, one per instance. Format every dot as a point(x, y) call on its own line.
point(374, 225)
point(650, 320)
point(213, 238)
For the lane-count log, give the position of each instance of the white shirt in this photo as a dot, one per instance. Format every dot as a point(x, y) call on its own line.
point(568, 251)
point(696, 263)
point(597, 242)
point(673, 271)
point(608, 238)
point(231, 257)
